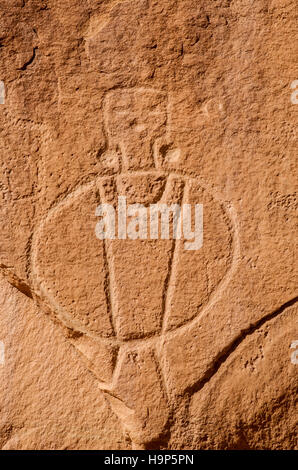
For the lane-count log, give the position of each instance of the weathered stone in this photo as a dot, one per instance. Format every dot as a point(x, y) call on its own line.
point(121, 343)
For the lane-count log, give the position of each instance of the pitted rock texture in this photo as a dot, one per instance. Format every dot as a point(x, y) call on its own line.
point(141, 343)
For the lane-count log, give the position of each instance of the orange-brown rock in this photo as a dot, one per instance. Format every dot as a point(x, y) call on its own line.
point(138, 342)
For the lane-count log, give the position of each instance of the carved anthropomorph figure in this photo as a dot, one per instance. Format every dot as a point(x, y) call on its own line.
point(122, 301)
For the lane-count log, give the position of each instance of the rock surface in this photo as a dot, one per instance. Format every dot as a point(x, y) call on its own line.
point(119, 344)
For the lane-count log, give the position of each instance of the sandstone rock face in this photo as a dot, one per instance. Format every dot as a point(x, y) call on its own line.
point(139, 342)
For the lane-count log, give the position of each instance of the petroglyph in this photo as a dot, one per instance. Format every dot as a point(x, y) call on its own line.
point(126, 296)
point(158, 104)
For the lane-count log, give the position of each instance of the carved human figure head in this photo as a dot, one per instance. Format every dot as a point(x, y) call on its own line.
point(134, 120)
